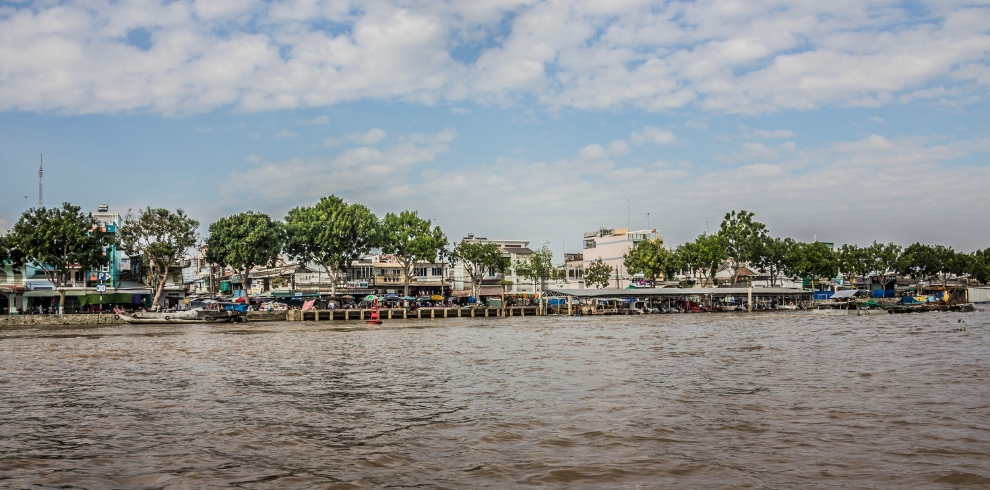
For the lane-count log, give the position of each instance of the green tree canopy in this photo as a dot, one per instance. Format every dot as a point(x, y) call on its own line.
point(597, 274)
point(743, 236)
point(705, 255)
point(650, 258)
point(979, 266)
point(478, 258)
point(883, 260)
point(918, 261)
point(771, 256)
point(854, 260)
point(331, 233)
point(58, 241)
point(410, 239)
point(161, 237)
point(538, 267)
point(244, 241)
point(813, 260)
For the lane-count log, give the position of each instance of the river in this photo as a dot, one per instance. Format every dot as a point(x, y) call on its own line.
point(698, 400)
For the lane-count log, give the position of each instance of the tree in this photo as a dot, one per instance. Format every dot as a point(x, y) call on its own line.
point(942, 261)
point(410, 239)
point(538, 267)
point(742, 238)
point(597, 274)
point(244, 241)
point(771, 256)
point(672, 264)
point(58, 240)
point(918, 261)
point(648, 257)
point(161, 237)
point(853, 260)
point(979, 266)
point(813, 260)
point(705, 255)
point(883, 259)
point(477, 258)
point(332, 234)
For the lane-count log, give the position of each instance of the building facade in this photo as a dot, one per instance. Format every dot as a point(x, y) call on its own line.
point(611, 245)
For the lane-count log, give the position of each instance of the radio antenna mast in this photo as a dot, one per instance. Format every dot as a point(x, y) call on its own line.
point(41, 175)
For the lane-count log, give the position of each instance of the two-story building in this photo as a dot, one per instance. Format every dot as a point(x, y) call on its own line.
point(493, 282)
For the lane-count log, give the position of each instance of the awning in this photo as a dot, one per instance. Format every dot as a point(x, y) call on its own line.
point(490, 291)
point(462, 293)
point(845, 293)
point(53, 293)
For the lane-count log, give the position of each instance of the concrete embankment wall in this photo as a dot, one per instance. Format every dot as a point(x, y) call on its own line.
point(281, 316)
point(399, 313)
point(52, 320)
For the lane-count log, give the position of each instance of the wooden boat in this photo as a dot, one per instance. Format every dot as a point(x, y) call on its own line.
point(190, 316)
point(845, 308)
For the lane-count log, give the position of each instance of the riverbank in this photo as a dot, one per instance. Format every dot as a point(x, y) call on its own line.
point(282, 316)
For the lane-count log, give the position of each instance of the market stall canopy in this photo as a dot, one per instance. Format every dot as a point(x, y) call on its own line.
point(436, 297)
point(490, 291)
point(845, 293)
point(462, 293)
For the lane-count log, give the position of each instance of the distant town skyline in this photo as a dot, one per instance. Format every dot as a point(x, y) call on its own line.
point(851, 122)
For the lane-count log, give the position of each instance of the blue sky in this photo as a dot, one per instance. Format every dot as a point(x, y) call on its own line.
point(850, 121)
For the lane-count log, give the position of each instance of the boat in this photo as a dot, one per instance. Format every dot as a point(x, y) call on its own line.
point(197, 315)
point(375, 318)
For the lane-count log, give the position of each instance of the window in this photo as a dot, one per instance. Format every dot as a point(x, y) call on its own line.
point(419, 271)
point(437, 271)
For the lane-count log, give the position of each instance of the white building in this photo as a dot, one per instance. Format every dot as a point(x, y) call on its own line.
point(515, 250)
point(611, 245)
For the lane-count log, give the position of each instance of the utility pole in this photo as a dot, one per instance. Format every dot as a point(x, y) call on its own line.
point(41, 174)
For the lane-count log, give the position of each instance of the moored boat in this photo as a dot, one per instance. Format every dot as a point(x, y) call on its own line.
point(190, 316)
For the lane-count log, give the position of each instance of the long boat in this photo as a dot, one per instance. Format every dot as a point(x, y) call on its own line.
point(190, 316)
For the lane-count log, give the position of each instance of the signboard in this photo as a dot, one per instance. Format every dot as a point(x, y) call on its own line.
point(100, 288)
point(357, 284)
point(103, 276)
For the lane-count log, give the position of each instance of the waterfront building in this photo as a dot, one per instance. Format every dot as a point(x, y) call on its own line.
point(492, 283)
point(611, 245)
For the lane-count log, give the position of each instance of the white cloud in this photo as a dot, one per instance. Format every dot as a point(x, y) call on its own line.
point(460, 110)
point(650, 134)
point(777, 133)
point(252, 158)
point(447, 135)
point(285, 134)
point(73, 56)
point(697, 125)
point(877, 119)
point(372, 137)
point(616, 148)
point(853, 175)
point(316, 121)
point(390, 168)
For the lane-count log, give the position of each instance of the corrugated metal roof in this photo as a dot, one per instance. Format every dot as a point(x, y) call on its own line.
point(641, 292)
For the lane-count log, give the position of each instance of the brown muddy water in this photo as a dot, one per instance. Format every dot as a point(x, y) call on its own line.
point(733, 400)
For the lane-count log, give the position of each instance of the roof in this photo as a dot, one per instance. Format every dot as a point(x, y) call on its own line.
point(517, 250)
point(490, 290)
point(845, 293)
point(669, 292)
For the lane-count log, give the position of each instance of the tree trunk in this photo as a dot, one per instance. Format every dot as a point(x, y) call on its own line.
point(246, 283)
point(158, 292)
point(61, 300)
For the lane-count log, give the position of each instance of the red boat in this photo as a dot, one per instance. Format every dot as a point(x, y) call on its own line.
point(375, 319)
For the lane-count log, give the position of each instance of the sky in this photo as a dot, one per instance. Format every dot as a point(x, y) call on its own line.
point(844, 121)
